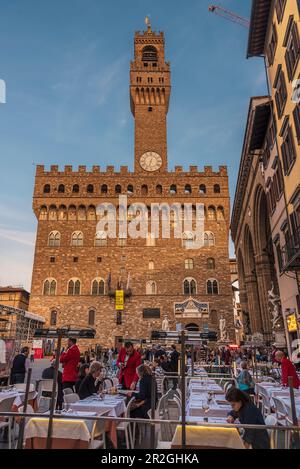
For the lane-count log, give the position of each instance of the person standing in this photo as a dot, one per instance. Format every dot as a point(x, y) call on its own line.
point(70, 360)
point(19, 367)
point(128, 361)
point(287, 369)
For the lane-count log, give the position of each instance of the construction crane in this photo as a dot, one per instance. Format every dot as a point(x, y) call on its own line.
point(229, 15)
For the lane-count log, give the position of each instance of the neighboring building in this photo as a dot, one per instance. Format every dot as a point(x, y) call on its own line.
point(16, 297)
point(237, 310)
point(77, 270)
point(275, 36)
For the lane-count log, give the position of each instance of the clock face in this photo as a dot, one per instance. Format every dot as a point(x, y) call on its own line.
point(150, 161)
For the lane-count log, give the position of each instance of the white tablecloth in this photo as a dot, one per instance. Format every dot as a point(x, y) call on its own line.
point(19, 396)
point(114, 404)
point(71, 429)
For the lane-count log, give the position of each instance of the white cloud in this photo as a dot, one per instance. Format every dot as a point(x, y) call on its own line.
point(26, 238)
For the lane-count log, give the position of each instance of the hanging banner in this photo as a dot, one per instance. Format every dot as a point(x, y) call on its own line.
point(119, 300)
point(292, 323)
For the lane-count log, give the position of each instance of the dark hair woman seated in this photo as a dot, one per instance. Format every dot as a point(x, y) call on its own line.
point(244, 410)
point(142, 402)
point(83, 371)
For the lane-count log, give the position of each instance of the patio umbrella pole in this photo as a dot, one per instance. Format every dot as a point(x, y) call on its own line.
point(52, 404)
point(153, 395)
point(183, 399)
point(23, 419)
point(193, 363)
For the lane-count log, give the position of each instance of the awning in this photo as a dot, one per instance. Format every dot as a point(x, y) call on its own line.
point(260, 125)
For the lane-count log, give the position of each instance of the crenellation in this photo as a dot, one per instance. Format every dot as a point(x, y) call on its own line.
point(82, 169)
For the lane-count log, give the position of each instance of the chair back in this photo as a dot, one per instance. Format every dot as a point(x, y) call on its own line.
point(128, 408)
point(271, 420)
point(68, 391)
point(115, 381)
point(45, 385)
point(7, 403)
point(280, 409)
point(22, 387)
point(71, 398)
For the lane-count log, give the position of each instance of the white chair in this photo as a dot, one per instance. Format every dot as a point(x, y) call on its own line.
point(126, 428)
point(70, 399)
point(8, 422)
point(98, 431)
point(29, 410)
point(107, 384)
point(281, 413)
point(68, 391)
point(272, 421)
point(115, 381)
point(43, 402)
point(21, 387)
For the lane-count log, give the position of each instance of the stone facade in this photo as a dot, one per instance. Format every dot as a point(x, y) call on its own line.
point(65, 202)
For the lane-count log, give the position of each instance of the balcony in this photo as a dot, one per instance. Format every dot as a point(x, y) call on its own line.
point(291, 253)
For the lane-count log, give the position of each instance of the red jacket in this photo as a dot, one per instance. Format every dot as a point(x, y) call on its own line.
point(288, 369)
point(70, 360)
point(129, 372)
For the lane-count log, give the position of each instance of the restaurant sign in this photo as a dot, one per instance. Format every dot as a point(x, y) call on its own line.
point(291, 323)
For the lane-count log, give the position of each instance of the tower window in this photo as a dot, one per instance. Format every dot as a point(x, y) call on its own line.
point(149, 54)
point(149, 109)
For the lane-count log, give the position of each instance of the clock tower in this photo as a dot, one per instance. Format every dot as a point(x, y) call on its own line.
point(149, 100)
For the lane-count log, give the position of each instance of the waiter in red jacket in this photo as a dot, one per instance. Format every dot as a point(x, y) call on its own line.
point(128, 361)
point(70, 359)
point(287, 369)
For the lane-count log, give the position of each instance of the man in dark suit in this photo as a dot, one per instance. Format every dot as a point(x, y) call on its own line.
point(19, 367)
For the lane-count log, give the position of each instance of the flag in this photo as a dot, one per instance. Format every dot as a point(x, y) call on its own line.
point(128, 281)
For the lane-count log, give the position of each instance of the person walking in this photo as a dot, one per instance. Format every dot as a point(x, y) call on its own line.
point(70, 360)
point(19, 367)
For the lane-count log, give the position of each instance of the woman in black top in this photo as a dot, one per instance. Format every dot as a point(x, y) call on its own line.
point(91, 383)
point(83, 371)
point(246, 412)
point(142, 402)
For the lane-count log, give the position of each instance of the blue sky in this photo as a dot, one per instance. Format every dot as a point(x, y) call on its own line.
point(66, 68)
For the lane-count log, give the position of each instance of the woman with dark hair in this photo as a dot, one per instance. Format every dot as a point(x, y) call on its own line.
point(142, 402)
point(83, 372)
point(246, 412)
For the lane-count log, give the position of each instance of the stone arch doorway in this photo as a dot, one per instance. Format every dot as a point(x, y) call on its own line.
point(192, 327)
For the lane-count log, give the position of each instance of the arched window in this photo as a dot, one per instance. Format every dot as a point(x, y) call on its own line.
point(98, 287)
point(151, 288)
point(61, 188)
point(189, 264)
point(46, 188)
point(209, 239)
point(151, 265)
point(202, 189)
point(118, 189)
point(100, 239)
point(54, 239)
point(220, 213)
point(211, 263)
point(49, 287)
point(149, 54)
point(217, 189)
point(104, 189)
point(91, 317)
point(43, 213)
point(130, 189)
point(173, 189)
point(187, 240)
point(53, 318)
point(212, 287)
point(187, 189)
point(77, 238)
point(158, 189)
point(144, 189)
point(75, 189)
point(90, 189)
point(211, 213)
point(91, 213)
point(189, 286)
point(74, 287)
